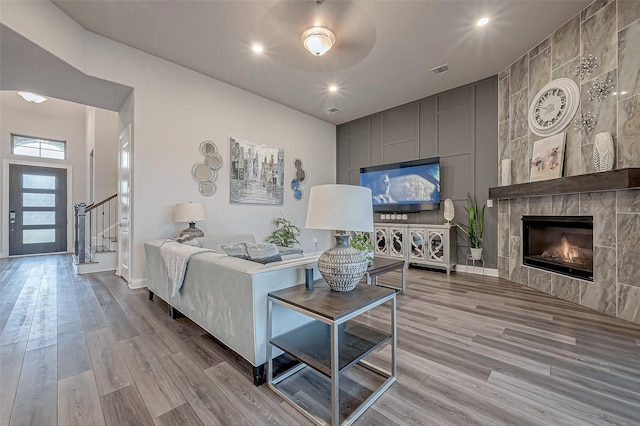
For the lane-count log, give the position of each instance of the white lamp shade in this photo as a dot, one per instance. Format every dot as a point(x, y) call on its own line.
point(340, 208)
point(189, 212)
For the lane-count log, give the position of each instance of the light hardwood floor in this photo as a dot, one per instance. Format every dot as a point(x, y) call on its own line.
point(87, 350)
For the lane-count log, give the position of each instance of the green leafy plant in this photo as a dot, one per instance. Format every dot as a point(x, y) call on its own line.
point(286, 233)
point(475, 228)
point(362, 242)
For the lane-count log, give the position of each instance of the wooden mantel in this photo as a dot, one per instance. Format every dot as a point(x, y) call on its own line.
point(592, 182)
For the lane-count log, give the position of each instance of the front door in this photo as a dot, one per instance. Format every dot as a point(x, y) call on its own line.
point(37, 209)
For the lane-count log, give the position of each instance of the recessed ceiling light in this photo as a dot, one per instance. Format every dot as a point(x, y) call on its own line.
point(482, 22)
point(257, 48)
point(623, 93)
point(333, 88)
point(32, 97)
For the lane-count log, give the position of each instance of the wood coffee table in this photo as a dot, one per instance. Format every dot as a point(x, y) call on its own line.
point(382, 266)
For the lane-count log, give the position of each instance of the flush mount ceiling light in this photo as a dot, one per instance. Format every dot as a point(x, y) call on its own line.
point(32, 97)
point(257, 48)
point(318, 40)
point(482, 22)
point(333, 88)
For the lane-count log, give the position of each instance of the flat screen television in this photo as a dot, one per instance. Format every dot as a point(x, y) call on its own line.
point(409, 186)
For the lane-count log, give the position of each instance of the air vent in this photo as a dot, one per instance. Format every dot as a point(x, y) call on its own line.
point(332, 110)
point(440, 69)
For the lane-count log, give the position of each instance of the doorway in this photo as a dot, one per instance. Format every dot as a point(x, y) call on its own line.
point(37, 209)
point(124, 183)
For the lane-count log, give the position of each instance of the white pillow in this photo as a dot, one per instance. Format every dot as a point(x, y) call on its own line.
point(263, 253)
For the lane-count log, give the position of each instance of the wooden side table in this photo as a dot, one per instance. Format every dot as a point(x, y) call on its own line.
point(330, 344)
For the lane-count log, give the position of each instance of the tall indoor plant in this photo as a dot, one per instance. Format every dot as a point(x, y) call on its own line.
point(475, 228)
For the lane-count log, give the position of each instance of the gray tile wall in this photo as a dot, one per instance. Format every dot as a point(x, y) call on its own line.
point(610, 30)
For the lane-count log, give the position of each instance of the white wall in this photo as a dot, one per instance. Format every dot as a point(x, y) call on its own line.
point(105, 154)
point(53, 119)
point(90, 144)
point(102, 139)
point(174, 110)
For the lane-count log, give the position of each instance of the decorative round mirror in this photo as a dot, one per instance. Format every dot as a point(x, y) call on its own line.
point(299, 175)
point(214, 161)
point(208, 148)
point(201, 172)
point(206, 172)
point(207, 188)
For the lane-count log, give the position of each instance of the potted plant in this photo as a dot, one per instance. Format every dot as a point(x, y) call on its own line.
point(286, 233)
point(475, 228)
point(362, 242)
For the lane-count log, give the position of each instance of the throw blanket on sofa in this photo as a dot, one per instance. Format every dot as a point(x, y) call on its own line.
point(176, 256)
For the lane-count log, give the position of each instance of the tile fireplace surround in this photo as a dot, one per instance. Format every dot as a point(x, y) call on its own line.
point(608, 30)
point(615, 289)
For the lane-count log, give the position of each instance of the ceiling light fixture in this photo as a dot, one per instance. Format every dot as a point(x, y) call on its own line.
point(32, 97)
point(333, 88)
point(318, 40)
point(257, 48)
point(482, 22)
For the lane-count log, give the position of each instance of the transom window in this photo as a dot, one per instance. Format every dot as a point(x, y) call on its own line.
point(38, 147)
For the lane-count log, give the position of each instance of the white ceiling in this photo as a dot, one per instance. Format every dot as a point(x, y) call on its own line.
point(382, 57)
point(52, 109)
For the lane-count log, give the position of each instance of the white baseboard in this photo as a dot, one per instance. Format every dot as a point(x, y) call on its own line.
point(138, 283)
point(489, 272)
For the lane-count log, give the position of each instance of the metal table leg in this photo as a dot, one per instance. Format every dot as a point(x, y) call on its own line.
point(335, 377)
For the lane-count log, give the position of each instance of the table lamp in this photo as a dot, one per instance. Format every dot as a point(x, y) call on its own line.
point(190, 212)
point(343, 208)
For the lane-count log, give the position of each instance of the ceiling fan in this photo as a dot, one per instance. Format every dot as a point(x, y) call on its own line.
point(335, 34)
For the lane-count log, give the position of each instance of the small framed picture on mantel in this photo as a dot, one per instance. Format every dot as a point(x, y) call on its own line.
point(547, 158)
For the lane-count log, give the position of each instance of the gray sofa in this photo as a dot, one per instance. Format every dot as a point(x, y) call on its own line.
point(227, 296)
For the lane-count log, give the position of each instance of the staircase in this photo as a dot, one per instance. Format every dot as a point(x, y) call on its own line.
point(96, 236)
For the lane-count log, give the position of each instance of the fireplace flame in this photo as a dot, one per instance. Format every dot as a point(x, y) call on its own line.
point(568, 251)
point(558, 249)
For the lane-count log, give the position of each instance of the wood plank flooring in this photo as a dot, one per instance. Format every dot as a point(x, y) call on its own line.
point(472, 350)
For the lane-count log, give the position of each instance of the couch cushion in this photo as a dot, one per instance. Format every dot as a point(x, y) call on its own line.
point(284, 251)
point(263, 253)
point(216, 241)
point(238, 250)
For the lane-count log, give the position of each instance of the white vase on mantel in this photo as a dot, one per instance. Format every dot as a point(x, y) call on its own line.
point(506, 172)
point(476, 253)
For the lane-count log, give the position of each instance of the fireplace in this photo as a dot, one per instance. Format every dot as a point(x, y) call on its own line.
point(562, 244)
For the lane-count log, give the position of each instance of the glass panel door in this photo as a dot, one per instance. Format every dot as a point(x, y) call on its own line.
point(37, 209)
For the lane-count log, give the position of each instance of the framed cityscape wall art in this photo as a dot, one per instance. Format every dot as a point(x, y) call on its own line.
point(547, 158)
point(257, 173)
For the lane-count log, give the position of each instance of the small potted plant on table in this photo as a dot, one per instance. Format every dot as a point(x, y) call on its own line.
point(286, 233)
point(362, 242)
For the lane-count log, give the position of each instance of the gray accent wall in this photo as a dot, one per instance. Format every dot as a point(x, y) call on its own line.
point(459, 126)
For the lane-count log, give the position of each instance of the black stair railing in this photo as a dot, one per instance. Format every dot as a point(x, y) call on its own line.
point(95, 228)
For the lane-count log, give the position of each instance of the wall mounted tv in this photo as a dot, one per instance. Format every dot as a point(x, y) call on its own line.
point(409, 186)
